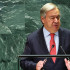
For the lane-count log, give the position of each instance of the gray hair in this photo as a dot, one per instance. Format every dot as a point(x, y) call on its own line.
point(47, 7)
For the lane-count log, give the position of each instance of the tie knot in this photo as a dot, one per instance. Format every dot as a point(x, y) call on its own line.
point(52, 35)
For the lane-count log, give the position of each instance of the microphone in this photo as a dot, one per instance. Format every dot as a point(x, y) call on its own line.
point(51, 48)
point(64, 52)
point(46, 57)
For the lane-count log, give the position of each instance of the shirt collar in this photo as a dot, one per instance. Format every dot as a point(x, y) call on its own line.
point(46, 32)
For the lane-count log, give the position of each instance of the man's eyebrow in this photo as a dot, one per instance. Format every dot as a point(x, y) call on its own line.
point(55, 15)
point(59, 15)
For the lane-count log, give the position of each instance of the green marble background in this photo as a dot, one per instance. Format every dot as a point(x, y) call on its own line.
point(18, 18)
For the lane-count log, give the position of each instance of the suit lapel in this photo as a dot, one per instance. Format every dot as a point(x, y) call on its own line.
point(43, 45)
point(61, 43)
point(42, 41)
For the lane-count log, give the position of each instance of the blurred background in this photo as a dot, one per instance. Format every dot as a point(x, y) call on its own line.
point(19, 18)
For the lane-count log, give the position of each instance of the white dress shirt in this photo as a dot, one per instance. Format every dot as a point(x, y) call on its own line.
point(48, 38)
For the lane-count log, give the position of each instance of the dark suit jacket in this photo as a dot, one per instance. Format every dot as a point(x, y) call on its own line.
point(36, 45)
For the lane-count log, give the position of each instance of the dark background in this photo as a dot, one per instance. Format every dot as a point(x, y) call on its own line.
point(19, 18)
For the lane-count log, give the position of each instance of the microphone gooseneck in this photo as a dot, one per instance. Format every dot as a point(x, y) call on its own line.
point(64, 52)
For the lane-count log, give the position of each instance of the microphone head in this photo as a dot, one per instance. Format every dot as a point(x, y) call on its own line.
point(52, 46)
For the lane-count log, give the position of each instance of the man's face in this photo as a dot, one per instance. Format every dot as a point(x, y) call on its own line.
point(52, 20)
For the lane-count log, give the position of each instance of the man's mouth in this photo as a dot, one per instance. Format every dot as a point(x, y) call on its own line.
point(56, 25)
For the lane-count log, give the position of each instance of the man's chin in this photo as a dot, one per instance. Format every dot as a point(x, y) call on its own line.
point(56, 30)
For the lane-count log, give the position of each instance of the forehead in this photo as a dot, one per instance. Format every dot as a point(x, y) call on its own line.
point(53, 12)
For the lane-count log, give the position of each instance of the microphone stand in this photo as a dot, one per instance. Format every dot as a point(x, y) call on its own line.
point(64, 53)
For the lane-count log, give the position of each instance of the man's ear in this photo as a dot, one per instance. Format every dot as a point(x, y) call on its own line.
point(42, 19)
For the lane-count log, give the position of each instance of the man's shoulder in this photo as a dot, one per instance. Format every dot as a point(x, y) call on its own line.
point(65, 30)
point(35, 33)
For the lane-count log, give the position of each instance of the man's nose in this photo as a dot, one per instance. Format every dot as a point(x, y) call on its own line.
point(55, 20)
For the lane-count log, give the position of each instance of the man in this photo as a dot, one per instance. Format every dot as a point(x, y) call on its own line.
point(40, 42)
